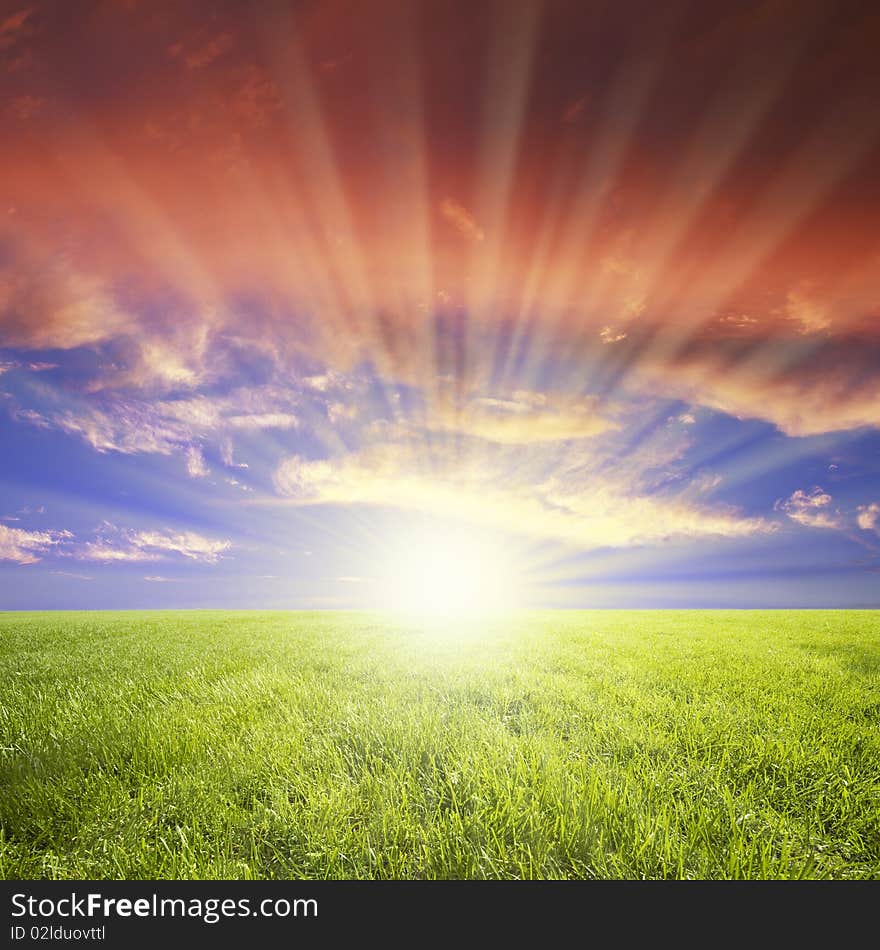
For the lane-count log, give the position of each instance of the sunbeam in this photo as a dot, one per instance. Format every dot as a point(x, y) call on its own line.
point(597, 279)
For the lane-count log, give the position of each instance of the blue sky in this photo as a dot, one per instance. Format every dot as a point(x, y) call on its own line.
point(755, 531)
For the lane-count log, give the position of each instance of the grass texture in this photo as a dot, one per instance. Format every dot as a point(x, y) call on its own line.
point(560, 744)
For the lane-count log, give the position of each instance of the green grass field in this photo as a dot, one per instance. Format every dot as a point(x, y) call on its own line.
point(608, 744)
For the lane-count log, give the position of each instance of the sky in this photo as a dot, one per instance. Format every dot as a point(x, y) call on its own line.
point(290, 291)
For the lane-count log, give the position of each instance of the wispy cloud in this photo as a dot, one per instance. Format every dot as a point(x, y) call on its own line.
point(235, 483)
point(119, 544)
point(740, 321)
point(611, 335)
point(27, 547)
point(593, 511)
point(195, 462)
point(264, 420)
point(810, 508)
point(46, 302)
point(168, 427)
point(461, 219)
point(31, 366)
point(798, 388)
point(522, 419)
point(807, 311)
point(110, 543)
point(203, 53)
point(868, 518)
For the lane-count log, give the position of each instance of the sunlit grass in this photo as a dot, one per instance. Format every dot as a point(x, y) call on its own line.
point(665, 744)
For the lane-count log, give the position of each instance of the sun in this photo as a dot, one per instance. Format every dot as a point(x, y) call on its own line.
point(436, 573)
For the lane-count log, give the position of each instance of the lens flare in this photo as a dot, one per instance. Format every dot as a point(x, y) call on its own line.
point(442, 573)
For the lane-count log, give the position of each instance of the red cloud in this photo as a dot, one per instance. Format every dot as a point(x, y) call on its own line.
point(158, 208)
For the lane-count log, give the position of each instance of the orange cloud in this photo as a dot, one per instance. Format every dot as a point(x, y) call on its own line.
point(336, 213)
point(461, 219)
point(802, 389)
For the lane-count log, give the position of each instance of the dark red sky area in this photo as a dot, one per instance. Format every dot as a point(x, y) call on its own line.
point(674, 186)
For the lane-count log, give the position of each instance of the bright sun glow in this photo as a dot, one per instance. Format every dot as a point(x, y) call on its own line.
point(442, 573)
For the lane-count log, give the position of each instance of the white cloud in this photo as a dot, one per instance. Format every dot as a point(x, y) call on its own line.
point(26, 547)
point(110, 544)
point(168, 363)
point(195, 462)
point(106, 551)
point(586, 511)
point(118, 544)
point(810, 509)
point(227, 453)
point(325, 382)
point(523, 419)
point(32, 417)
point(868, 518)
point(341, 412)
point(166, 427)
point(610, 335)
point(264, 420)
point(33, 367)
point(129, 428)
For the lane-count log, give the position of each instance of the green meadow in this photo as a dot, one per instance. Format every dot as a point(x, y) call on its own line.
point(560, 744)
